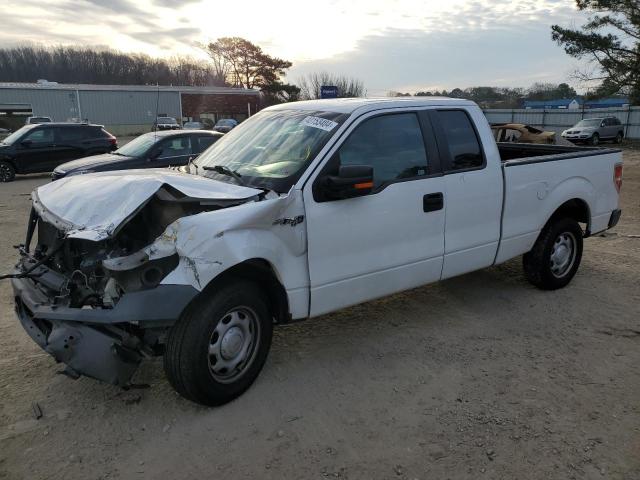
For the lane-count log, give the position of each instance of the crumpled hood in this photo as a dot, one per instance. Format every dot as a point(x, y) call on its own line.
point(93, 206)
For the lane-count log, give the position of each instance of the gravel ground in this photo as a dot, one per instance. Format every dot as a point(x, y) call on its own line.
point(480, 376)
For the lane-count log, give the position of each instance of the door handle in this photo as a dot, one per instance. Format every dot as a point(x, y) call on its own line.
point(432, 202)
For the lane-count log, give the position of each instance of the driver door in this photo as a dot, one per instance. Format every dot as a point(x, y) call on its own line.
point(386, 241)
point(37, 151)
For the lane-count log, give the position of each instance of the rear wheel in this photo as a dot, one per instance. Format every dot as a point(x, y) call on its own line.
point(619, 137)
point(555, 257)
point(218, 347)
point(7, 172)
point(595, 139)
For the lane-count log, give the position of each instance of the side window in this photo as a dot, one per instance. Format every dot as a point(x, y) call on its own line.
point(40, 136)
point(202, 143)
point(391, 144)
point(174, 147)
point(71, 134)
point(464, 146)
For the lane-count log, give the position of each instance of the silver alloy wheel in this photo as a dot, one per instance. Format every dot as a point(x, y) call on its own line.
point(233, 344)
point(563, 254)
point(5, 172)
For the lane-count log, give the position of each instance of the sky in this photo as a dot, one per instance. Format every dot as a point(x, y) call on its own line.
point(400, 45)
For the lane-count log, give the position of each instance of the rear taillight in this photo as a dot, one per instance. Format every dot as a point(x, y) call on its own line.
point(113, 141)
point(617, 176)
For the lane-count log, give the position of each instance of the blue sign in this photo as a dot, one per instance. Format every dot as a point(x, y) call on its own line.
point(328, 91)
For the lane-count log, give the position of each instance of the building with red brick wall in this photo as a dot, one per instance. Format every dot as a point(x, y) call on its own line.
point(214, 106)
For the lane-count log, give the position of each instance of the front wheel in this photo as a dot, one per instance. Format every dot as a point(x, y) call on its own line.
point(7, 172)
point(595, 139)
point(555, 257)
point(218, 347)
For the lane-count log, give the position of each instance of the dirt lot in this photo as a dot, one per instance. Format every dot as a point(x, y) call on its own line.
point(482, 376)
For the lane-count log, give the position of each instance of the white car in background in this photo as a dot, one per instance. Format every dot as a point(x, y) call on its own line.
point(36, 120)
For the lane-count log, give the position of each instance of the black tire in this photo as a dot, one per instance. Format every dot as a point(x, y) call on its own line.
point(541, 263)
point(595, 139)
point(7, 172)
point(619, 138)
point(188, 363)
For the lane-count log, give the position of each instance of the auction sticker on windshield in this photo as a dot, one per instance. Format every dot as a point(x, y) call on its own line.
point(317, 122)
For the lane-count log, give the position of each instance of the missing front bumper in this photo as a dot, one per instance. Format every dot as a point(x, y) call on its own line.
point(93, 341)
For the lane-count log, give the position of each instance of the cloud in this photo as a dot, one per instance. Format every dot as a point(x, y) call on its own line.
point(415, 60)
point(172, 3)
point(389, 44)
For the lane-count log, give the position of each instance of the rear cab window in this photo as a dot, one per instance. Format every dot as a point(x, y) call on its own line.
point(462, 145)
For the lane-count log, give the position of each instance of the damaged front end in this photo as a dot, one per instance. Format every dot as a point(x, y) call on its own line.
point(92, 297)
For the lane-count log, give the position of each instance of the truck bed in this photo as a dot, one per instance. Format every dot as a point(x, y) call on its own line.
point(524, 153)
point(539, 178)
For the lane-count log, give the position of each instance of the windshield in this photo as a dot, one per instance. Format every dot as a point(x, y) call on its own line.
point(166, 120)
point(593, 122)
point(225, 123)
point(11, 139)
point(138, 146)
point(271, 149)
point(39, 120)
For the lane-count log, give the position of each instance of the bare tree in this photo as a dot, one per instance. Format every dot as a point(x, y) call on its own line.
point(347, 86)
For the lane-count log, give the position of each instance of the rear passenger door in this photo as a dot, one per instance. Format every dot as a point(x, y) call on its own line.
point(69, 143)
point(473, 192)
point(611, 128)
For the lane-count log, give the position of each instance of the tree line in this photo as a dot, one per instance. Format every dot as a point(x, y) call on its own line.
point(102, 67)
point(501, 97)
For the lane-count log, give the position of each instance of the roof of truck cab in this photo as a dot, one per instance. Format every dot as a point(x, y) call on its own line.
point(350, 105)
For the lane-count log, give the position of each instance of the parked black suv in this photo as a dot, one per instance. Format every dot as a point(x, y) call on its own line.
point(42, 147)
point(171, 148)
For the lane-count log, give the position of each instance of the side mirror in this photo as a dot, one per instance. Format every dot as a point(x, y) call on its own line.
point(155, 154)
point(26, 143)
point(351, 181)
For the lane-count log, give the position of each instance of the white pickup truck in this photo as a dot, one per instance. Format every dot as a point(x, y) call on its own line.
point(303, 209)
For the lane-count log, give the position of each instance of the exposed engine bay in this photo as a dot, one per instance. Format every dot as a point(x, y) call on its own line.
point(91, 295)
point(97, 274)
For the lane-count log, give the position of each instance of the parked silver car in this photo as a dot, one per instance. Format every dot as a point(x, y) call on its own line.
point(594, 130)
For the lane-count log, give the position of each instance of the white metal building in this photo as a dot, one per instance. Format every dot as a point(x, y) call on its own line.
point(123, 109)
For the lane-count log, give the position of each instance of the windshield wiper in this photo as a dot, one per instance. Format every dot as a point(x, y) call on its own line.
point(226, 171)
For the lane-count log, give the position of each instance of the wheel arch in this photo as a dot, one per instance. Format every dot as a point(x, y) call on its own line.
point(576, 209)
point(263, 273)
